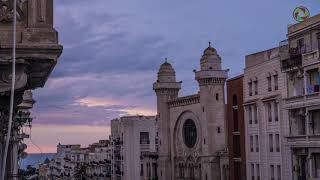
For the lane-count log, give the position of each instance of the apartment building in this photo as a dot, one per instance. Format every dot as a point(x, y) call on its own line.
point(300, 62)
point(134, 148)
point(264, 87)
point(236, 128)
point(93, 161)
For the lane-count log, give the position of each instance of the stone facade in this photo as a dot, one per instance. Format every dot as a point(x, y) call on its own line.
point(37, 52)
point(94, 162)
point(282, 106)
point(264, 88)
point(300, 63)
point(134, 148)
point(191, 129)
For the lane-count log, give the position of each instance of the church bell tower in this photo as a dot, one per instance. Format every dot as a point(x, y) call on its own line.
point(211, 79)
point(166, 88)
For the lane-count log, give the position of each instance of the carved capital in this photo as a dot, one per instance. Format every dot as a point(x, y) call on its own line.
point(6, 77)
point(6, 11)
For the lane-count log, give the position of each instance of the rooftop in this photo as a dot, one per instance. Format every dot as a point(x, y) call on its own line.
point(308, 23)
point(260, 57)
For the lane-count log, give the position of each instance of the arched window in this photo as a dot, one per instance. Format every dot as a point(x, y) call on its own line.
point(189, 133)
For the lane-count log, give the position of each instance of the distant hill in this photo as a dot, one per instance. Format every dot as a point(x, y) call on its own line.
point(35, 159)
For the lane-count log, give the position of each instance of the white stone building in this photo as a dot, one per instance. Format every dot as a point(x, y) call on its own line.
point(282, 107)
point(96, 160)
point(264, 88)
point(191, 129)
point(133, 136)
point(300, 62)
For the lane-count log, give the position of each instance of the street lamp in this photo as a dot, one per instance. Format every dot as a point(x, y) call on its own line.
point(4, 162)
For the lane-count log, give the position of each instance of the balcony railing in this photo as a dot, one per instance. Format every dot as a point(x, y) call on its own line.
point(291, 57)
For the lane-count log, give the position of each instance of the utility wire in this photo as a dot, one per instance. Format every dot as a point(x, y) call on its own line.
point(4, 162)
point(40, 150)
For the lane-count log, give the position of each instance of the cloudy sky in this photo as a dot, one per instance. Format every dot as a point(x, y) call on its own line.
point(113, 48)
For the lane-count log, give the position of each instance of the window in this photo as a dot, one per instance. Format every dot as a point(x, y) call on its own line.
point(297, 122)
point(251, 143)
point(275, 78)
point(314, 121)
point(316, 165)
point(190, 133)
point(318, 39)
point(250, 114)
point(144, 138)
point(252, 171)
point(279, 172)
point(148, 170)
point(141, 170)
point(271, 142)
point(269, 83)
point(237, 170)
point(277, 142)
point(191, 171)
point(236, 146)
point(217, 97)
point(256, 87)
point(276, 112)
point(250, 88)
point(301, 46)
point(313, 81)
point(154, 170)
point(257, 143)
point(258, 171)
point(272, 172)
point(255, 114)
point(235, 120)
point(234, 100)
point(181, 170)
point(269, 111)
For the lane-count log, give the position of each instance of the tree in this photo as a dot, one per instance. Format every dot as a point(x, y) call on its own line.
point(29, 171)
point(81, 172)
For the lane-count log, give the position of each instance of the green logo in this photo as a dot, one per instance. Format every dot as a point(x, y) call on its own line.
point(301, 13)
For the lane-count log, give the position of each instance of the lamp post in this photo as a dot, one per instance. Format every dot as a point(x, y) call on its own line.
point(8, 137)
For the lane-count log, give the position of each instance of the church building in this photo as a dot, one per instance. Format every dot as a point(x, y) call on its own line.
point(192, 129)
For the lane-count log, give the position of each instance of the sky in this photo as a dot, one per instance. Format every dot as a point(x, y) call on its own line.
point(113, 50)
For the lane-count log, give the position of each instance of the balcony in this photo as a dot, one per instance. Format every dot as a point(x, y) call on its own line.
point(311, 57)
point(144, 147)
point(304, 127)
point(294, 57)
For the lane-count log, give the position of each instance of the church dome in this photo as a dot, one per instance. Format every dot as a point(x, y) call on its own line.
point(210, 59)
point(166, 68)
point(209, 51)
point(166, 73)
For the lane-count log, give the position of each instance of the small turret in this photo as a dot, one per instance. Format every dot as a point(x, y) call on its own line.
point(166, 88)
point(210, 59)
point(166, 73)
point(211, 79)
point(166, 82)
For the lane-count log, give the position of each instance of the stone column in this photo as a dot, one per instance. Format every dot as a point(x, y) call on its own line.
point(309, 160)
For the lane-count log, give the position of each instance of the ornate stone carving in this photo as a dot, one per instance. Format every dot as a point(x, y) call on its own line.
point(6, 11)
point(6, 78)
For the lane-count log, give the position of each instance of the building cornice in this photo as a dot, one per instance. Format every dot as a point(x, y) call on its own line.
point(183, 101)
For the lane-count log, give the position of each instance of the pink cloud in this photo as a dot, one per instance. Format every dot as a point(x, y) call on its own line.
point(48, 136)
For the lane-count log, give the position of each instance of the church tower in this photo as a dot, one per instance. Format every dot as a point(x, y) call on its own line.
point(166, 88)
point(211, 79)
